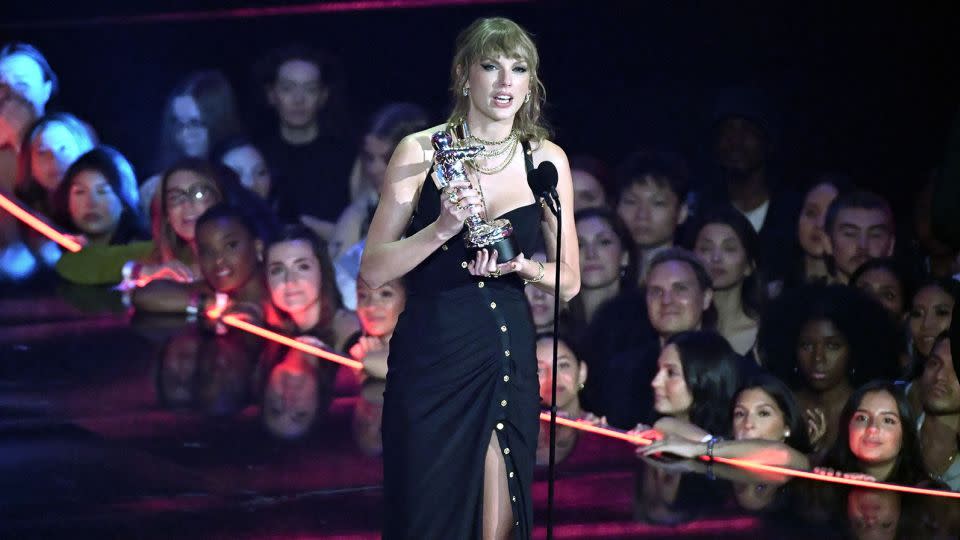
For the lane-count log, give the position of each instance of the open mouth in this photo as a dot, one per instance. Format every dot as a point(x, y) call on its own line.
point(503, 100)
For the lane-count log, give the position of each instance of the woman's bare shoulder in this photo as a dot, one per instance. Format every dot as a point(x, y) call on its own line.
point(547, 150)
point(417, 147)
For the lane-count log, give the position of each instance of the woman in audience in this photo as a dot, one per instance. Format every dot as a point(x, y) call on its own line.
point(98, 200)
point(541, 303)
point(607, 263)
point(877, 437)
point(825, 341)
point(589, 188)
point(931, 310)
point(51, 145)
point(378, 311)
point(389, 125)
point(199, 115)
point(727, 244)
point(571, 375)
point(245, 159)
point(883, 280)
point(811, 264)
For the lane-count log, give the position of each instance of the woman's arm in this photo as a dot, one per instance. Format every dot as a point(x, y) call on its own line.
point(755, 450)
point(386, 256)
point(570, 249)
point(165, 296)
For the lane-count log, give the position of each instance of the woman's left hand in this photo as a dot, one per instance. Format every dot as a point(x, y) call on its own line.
point(676, 446)
point(485, 264)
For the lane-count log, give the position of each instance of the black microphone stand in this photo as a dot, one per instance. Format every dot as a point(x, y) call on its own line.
point(553, 201)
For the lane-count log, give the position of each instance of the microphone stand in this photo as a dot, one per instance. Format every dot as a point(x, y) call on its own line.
point(553, 201)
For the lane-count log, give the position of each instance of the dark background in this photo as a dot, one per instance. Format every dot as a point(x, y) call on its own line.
point(869, 89)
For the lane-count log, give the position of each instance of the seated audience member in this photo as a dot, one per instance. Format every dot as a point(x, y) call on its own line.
point(744, 141)
point(229, 254)
point(859, 226)
point(541, 303)
point(824, 341)
point(589, 183)
point(651, 201)
point(877, 437)
point(378, 310)
point(300, 278)
point(571, 375)
point(930, 314)
point(886, 283)
point(243, 158)
point(51, 145)
point(939, 419)
point(607, 263)
point(727, 245)
point(767, 427)
point(309, 146)
point(16, 116)
point(98, 200)
point(810, 263)
point(678, 294)
point(25, 68)
point(199, 115)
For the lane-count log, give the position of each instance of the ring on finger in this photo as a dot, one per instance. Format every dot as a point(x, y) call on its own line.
point(495, 273)
point(452, 197)
point(460, 205)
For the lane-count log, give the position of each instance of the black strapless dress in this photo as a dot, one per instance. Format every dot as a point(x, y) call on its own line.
point(462, 365)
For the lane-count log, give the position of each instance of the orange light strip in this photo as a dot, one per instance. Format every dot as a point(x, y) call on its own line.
point(38, 225)
point(240, 324)
point(750, 465)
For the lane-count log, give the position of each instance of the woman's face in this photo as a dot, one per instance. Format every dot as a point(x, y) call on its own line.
point(374, 157)
point(671, 397)
point(379, 309)
point(188, 195)
point(291, 398)
point(756, 415)
point(95, 208)
point(227, 254)
point(498, 86)
point(293, 276)
point(930, 314)
point(822, 355)
point(876, 429)
point(53, 150)
point(298, 95)
point(541, 302)
point(884, 287)
point(810, 226)
point(874, 514)
point(190, 131)
point(250, 166)
point(571, 373)
point(723, 254)
point(587, 191)
point(602, 257)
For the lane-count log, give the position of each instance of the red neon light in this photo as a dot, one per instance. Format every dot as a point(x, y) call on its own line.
point(240, 324)
point(38, 225)
point(254, 12)
point(750, 465)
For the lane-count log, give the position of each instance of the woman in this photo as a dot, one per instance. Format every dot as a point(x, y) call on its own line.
point(883, 280)
point(727, 244)
point(607, 263)
point(378, 311)
point(462, 378)
point(811, 263)
point(878, 438)
point(98, 200)
point(51, 145)
point(931, 311)
point(589, 186)
point(245, 159)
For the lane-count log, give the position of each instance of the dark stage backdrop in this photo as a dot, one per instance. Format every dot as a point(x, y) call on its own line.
point(868, 89)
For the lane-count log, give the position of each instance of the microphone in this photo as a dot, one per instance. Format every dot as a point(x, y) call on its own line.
point(544, 183)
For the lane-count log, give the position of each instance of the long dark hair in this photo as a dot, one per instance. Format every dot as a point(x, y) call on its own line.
point(792, 417)
point(909, 468)
point(752, 295)
point(711, 372)
point(119, 174)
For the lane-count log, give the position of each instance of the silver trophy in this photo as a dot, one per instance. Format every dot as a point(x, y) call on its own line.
point(448, 164)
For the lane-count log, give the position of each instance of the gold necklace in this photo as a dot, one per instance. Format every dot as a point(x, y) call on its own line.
point(496, 168)
point(512, 135)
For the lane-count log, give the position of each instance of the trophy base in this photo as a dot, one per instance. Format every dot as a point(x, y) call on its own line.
point(494, 236)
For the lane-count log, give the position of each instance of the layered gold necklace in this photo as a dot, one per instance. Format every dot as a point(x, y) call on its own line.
point(508, 146)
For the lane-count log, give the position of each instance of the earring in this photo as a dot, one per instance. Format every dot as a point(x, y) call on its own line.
point(786, 433)
point(466, 90)
point(527, 98)
point(580, 387)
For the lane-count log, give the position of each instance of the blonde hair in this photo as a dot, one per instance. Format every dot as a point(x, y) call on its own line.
point(491, 38)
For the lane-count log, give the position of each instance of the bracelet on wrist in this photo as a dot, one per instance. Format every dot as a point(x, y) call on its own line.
point(539, 275)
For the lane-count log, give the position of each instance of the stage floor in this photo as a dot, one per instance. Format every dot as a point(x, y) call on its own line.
point(114, 426)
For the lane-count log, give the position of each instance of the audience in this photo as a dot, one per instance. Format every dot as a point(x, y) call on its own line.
point(859, 226)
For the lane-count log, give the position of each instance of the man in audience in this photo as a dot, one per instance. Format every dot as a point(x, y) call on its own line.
point(651, 201)
point(678, 295)
point(309, 147)
point(939, 422)
point(859, 227)
point(24, 69)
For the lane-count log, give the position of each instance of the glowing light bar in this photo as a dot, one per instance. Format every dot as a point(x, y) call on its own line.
point(240, 324)
point(750, 465)
point(38, 225)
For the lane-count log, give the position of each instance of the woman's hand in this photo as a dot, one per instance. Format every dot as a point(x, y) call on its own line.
point(366, 345)
point(676, 446)
point(457, 202)
point(485, 264)
point(827, 471)
point(816, 425)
